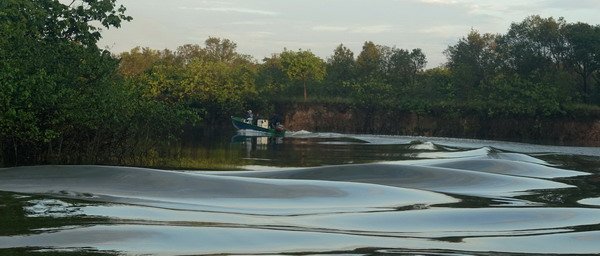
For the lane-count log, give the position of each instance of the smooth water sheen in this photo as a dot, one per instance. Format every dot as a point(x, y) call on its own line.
point(323, 193)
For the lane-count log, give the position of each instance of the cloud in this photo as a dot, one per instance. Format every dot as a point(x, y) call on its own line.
point(445, 30)
point(260, 34)
point(572, 5)
point(440, 1)
point(330, 28)
point(250, 23)
point(376, 29)
point(261, 27)
point(232, 10)
point(474, 7)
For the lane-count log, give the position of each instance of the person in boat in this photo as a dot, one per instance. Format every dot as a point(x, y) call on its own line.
point(249, 117)
point(275, 121)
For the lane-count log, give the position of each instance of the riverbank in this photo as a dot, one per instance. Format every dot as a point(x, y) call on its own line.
point(563, 130)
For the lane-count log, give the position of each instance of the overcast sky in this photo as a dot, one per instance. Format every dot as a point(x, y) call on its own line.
point(263, 27)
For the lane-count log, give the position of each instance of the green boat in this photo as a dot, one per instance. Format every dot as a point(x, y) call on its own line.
point(242, 124)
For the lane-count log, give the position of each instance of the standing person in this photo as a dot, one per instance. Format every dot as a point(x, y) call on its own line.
point(249, 117)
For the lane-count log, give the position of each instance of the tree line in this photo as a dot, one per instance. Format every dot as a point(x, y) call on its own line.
point(64, 100)
point(540, 67)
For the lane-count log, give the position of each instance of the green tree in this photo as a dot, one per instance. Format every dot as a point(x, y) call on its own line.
point(188, 52)
point(370, 95)
point(435, 85)
point(52, 20)
point(223, 50)
point(53, 75)
point(472, 61)
point(340, 68)
point(303, 66)
point(512, 95)
point(138, 61)
point(583, 51)
point(214, 80)
point(272, 79)
point(163, 81)
point(221, 89)
point(370, 61)
point(403, 66)
point(534, 45)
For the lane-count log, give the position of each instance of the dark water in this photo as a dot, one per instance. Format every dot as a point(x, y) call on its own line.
point(318, 193)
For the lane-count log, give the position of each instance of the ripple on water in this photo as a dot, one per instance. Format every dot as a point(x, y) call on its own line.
point(386, 207)
point(209, 192)
point(429, 178)
point(590, 201)
point(481, 152)
point(424, 146)
point(508, 167)
point(178, 240)
point(423, 223)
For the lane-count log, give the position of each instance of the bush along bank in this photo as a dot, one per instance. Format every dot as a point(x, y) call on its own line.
point(558, 129)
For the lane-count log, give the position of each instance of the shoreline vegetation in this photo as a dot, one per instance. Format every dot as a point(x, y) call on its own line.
point(63, 100)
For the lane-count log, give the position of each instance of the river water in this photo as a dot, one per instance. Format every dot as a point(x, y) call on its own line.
point(318, 193)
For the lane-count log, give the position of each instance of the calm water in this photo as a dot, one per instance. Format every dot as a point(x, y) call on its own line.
point(318, 193)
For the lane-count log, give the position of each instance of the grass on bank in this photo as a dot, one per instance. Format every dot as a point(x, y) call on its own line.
point(219, 159)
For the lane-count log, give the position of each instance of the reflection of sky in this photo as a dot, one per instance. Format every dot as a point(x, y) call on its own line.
point(263, 27)
point(482, 146)
point(591, 201)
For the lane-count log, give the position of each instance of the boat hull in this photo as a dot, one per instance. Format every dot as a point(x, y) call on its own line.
point(239, 124)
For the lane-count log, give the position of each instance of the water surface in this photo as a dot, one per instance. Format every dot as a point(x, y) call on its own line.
point(318, 193)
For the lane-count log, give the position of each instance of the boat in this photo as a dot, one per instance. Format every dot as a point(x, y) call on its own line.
point(242, 124)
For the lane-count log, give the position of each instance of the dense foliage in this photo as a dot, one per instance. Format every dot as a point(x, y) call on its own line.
point(61, 99)
point(540, 67)
point(64, 100)
point(214, 80)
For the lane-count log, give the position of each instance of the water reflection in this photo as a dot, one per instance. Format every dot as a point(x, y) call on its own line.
point(591, 201)
point(319, 194)
point(254, 143)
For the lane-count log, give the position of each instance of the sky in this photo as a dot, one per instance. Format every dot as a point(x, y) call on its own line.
point(263, 27)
